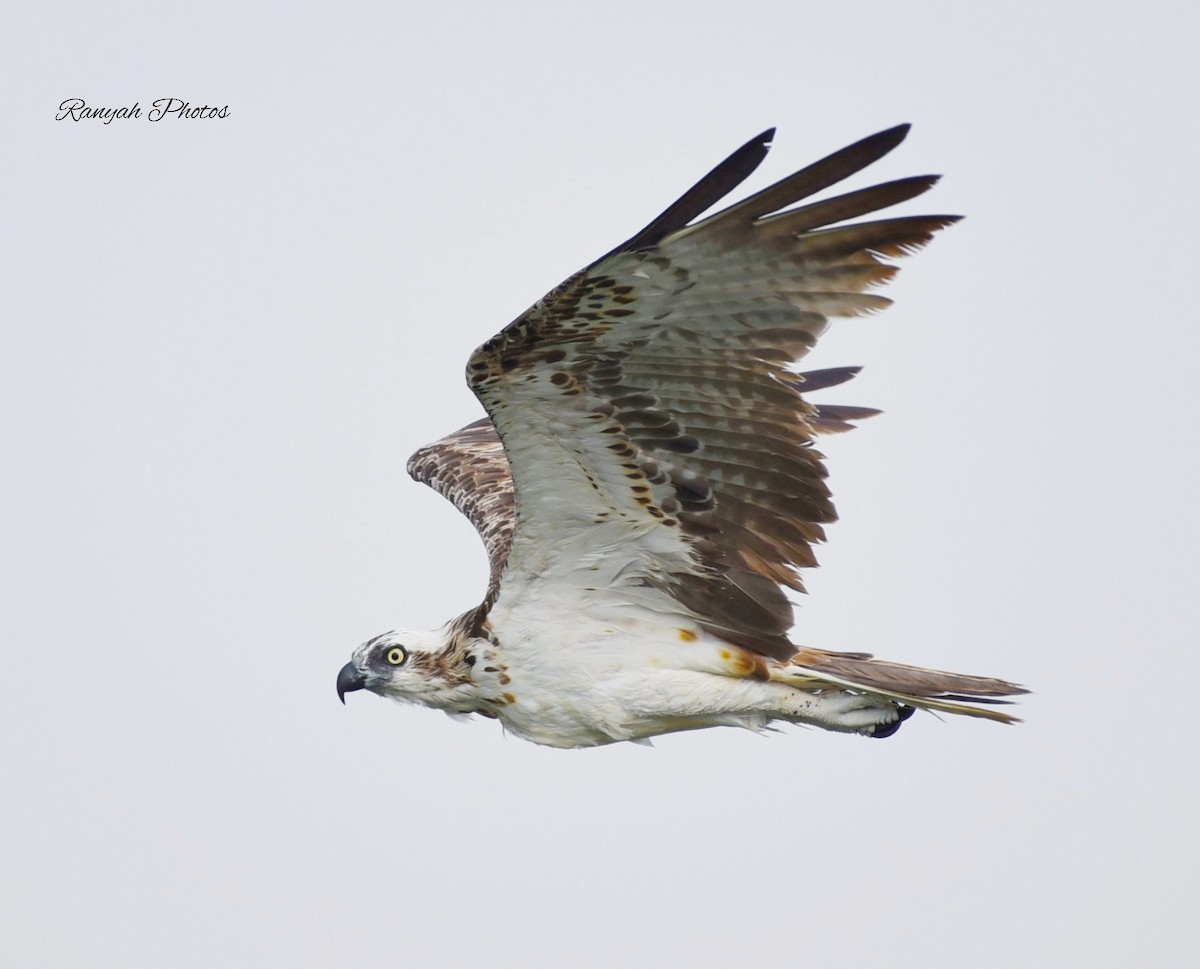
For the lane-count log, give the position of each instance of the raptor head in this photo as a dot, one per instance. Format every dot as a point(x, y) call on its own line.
point(397, 664)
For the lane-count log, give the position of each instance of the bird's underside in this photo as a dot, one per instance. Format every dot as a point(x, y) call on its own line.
point(646, 486)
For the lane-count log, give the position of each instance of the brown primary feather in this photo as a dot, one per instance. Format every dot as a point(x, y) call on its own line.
point(808, 181)
point(706, 193)
point(848, 206)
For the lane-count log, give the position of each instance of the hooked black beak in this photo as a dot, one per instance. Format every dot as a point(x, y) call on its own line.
point(350, 678)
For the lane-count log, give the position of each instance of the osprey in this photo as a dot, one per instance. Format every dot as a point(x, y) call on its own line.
point(646, 486)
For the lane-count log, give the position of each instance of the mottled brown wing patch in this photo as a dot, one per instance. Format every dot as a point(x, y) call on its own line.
point(470, 469)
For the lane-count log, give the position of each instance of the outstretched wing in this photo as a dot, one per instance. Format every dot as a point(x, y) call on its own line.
point(469, 469)
point(658, 441)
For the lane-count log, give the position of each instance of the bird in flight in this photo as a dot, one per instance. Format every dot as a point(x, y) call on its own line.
point(646, 486)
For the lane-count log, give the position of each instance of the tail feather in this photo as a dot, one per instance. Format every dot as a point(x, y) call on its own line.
point(958, 693)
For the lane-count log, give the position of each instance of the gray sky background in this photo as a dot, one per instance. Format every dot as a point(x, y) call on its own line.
point(222, 339)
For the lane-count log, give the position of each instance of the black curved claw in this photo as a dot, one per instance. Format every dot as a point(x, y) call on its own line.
point(887, 729)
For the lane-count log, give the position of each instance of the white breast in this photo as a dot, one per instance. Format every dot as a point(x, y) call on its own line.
point(593, 679)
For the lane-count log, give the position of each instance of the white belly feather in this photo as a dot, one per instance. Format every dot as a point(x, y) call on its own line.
point(595, 681)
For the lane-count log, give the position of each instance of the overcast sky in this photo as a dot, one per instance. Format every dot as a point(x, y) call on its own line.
point(224, 336)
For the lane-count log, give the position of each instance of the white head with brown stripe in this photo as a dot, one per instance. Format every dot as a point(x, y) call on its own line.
point(431, 667)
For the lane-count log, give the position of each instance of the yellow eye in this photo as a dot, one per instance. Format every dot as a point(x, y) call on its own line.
point(396, 655)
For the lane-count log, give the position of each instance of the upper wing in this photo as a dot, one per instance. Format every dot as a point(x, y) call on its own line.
point(658, 441)
point(469, 468)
